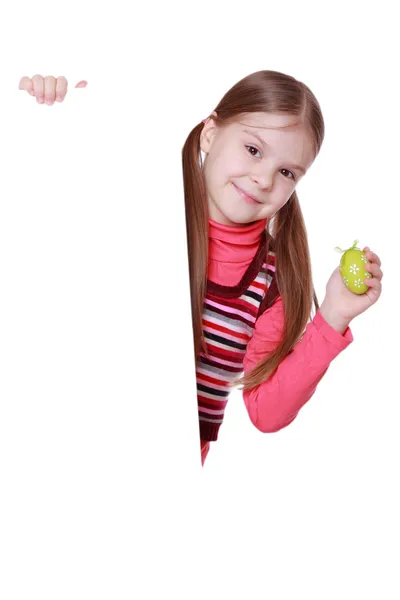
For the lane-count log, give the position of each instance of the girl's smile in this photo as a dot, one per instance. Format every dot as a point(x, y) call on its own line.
point(246, 197)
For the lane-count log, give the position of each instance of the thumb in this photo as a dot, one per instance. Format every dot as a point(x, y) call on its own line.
point(26, 84)
point(81, 84)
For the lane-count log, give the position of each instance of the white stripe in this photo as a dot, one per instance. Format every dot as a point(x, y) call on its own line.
point(261, 277)
point(256, 290)
point(218, 375)
point(212, 396)
point(219, 321)
point(214, 344)
point(252, 301)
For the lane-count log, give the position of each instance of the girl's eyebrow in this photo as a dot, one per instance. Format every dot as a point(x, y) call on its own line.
point(264, 143)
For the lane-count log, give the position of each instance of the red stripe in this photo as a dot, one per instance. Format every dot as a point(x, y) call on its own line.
point(243, 336)
point(224, 351)
point(259, 285)
point(236, 357)
point(212, 380)
point(211, 403)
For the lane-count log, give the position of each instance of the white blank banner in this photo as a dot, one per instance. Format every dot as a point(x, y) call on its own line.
point(100, 494)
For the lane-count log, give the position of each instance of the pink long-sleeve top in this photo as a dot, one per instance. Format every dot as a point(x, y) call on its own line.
point(275, 403)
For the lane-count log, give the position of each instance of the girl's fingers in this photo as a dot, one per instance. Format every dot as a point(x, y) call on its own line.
point(374, 284)
point(38, 88)
point(27, 85)
point(61, 88)
point(372, 256)
point(374, 269)
point(373, 294)
point(49, 89)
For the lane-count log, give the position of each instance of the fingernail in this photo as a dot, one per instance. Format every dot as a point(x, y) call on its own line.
point(40, 99)
point(58, 98)
point(49, 102)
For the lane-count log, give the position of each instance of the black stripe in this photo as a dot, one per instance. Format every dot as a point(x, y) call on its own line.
point(209, 390)
point(222, 340)
point(254, 295)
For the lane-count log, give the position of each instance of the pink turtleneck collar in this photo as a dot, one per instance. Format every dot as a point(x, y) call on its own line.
point(234, 243)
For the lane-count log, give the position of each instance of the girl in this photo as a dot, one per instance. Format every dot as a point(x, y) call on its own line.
point(250, 272)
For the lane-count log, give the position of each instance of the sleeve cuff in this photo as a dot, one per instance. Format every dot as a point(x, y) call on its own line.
point(340, 341)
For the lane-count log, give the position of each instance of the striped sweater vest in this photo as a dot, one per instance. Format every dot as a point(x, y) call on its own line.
point(229, 317)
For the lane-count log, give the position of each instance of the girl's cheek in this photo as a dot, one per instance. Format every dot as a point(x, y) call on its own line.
point(238, 166)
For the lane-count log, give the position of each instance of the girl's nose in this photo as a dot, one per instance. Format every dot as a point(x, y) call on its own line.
point(263, 179)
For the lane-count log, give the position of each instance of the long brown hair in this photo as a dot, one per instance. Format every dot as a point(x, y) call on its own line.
point(272, 92)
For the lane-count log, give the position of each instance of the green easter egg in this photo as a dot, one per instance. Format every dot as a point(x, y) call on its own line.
point(352, 270)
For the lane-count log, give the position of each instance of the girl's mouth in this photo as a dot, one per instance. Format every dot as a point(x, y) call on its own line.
point(248, 199)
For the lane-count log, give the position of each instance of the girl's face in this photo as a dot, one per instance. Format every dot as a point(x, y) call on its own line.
point(252, 166)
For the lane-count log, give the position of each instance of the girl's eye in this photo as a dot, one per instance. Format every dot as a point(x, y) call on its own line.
point(286, 172)
point(253, 150)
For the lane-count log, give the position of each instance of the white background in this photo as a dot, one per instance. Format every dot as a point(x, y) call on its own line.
point(101, 493)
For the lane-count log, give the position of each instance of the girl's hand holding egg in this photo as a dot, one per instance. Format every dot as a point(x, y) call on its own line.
point(353, 287)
